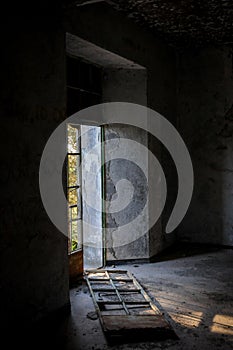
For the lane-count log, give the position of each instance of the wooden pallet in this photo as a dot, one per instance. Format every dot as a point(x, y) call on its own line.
point(124, 308)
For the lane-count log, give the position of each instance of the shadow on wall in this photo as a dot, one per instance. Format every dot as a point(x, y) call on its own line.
point(205, 105)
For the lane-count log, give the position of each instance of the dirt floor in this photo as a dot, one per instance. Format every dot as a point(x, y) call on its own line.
point(195, 293)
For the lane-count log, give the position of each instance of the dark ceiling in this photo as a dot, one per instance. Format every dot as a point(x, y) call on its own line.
point(182, 22)
point(185, 21)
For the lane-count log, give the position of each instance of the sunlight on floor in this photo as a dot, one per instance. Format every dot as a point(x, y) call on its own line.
point(222, 324)
point(191, 319)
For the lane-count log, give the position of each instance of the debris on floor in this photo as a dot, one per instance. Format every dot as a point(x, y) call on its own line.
point(92, 315)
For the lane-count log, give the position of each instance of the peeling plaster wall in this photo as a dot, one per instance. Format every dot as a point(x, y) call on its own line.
point(127, 183)
point(34, 261)
point(205, 94)
point(127, 85)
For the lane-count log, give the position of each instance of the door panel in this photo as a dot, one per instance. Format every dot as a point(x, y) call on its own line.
point(92, 197)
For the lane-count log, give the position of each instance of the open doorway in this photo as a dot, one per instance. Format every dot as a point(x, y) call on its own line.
point(95, 75)
point(85, 245)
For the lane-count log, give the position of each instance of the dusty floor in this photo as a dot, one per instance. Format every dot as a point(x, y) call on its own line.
point(196, 294)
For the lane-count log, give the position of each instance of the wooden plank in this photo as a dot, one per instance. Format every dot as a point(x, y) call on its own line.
point(103, 271)
point(75, 265)
point(119, 302)
point(145, 295)
point(120, 323)
point(102, 289)
point(102, 279)
point(118, 294)
point(113, 290)
point(94, 301)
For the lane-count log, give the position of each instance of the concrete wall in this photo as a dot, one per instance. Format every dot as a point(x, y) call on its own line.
point(97, 23)
point(205, 96)
point(34, 262)
point(34, 265)
point(129, 85)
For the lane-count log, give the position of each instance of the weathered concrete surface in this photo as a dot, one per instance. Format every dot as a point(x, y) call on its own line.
point(205, 100)
point(194, 292)
point(128, 85)
point(88, 51)
point(34, 262)
point(134, 190)
point(133, 43)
